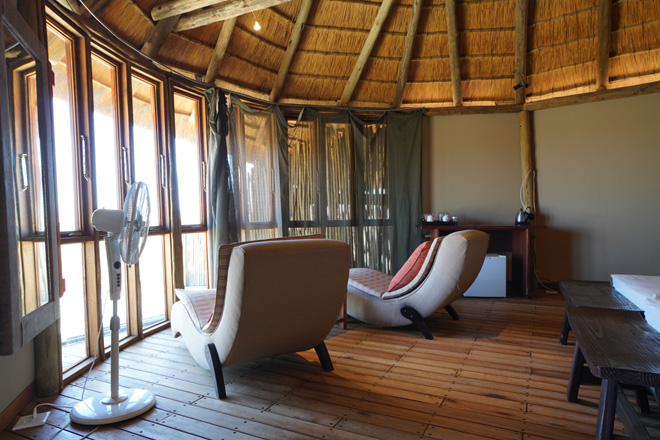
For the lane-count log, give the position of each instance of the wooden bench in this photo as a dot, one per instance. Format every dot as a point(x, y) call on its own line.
point(619, 347)
point(598, 294)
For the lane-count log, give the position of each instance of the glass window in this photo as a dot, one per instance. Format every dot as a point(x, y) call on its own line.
point(152, 281)
point(72, 306)
point(145, 146)
point(195, 270)
point(64, 126)
point(106, 142)
point(190, 169)
point(303, 172)
point(189, 159)
point(149, 165)
point(338, 172)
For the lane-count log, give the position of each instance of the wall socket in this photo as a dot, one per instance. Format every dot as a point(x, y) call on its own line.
point(31, 421)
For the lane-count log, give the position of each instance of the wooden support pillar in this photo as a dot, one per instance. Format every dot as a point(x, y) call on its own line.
point(220, 49)
point(158, 35)
point(454, 53)
point(291, 49)
point(407, 52)
point(520, 63)
point(604, 38)
point(526, 156)
point(374, 33)
point(47, 368)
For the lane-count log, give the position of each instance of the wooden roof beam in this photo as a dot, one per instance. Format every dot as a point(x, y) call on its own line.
point(71, 6)
point(220, 49)
point(178, 7)
point(230, 9)
point(604, 36)
point(158, 34)
point(291, 48)
point(454, 56)
point(411, 33)
point(384, 10)
point(520, 63)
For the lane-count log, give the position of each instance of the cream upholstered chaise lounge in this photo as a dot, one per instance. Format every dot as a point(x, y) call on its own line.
point(435, 275)
point(273, 297)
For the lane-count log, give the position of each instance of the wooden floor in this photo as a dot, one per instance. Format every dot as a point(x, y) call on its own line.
point(498, 373)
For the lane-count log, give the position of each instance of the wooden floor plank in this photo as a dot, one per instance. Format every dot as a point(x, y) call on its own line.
point(498, 373)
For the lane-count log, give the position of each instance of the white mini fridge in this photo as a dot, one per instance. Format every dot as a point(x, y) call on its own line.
point(491, 281)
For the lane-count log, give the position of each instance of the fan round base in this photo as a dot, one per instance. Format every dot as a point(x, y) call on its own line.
point(103, 408)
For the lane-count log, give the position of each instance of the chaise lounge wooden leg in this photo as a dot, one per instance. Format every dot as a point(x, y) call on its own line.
point(414, 316)
point(324, 357)
point(452, 312)
point(216, 368)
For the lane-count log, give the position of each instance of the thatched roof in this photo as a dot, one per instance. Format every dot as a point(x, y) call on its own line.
point(462, 53)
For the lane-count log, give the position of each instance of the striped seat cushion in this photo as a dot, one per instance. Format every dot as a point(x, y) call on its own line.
point(369, 281)
point(198, 303)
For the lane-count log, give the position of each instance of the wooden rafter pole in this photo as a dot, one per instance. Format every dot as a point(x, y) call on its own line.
point(407, 52)
point(158, 34)
point(220, 50)
point(291, 48)
point(520, 64)
point(178, 7)
point(366, 51)
point(71, 6)
point(223, 12)
point(454, 56)
point(526, 156)
point(99, 6)
point(604, 35)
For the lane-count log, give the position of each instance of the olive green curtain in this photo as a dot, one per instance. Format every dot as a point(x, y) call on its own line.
point(357, 181)
point(330, 173)
point(252, 147)
point(220, 192)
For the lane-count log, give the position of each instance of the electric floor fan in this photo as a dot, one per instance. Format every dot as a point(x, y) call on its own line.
point(127, 234)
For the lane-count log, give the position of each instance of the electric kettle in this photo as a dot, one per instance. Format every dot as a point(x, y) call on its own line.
point(524, 217)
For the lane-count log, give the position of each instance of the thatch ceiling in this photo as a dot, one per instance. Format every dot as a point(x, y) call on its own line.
point(354, 53)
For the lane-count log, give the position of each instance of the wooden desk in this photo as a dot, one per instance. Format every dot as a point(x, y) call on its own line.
point(514, 239)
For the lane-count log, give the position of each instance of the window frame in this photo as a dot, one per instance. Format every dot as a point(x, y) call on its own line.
point(176, 89)
point(82, 104)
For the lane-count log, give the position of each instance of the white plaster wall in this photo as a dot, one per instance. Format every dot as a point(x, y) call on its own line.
point(599, 188)
point(17, 372)
point(473, 167)
point(598, 182)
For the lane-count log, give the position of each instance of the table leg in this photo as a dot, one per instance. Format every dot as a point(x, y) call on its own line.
point(642, 399)
point(606, 409)
point(521, 258)
point(576, 375)
point(565, 328)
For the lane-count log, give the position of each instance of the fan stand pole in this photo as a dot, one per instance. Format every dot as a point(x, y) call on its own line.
point(117, 405)
point(114, 355)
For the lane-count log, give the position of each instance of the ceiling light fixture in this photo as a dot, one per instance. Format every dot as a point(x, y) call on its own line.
point(256, 26)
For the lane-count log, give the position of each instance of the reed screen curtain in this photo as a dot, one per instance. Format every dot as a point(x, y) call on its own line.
point(330, 173)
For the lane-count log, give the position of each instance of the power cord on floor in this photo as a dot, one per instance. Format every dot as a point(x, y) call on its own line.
point(37, 419)
point(536, 273)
